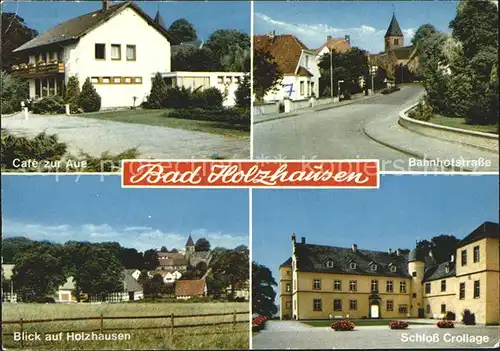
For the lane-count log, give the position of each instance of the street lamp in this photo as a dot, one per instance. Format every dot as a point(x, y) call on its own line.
point(331, 65)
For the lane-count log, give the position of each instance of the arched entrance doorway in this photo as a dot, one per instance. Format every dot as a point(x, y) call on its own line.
point(374, 306)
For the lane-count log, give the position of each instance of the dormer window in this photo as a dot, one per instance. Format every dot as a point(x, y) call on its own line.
point(393, 269)
point(447, 268)
point(352, 265)
point(329, 264)
point(373, 266)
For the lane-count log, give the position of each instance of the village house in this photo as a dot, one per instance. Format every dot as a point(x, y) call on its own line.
point(321, 282)
point(333, 44)
point(187, 289)
point(179, 261)
point(170, 277)
point(296, 62)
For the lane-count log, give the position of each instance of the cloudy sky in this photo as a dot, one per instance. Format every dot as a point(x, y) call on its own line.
point(365, 22)
point(97, 209)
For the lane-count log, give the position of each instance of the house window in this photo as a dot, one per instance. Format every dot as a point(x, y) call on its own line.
point(307, 61)
point(288, 305)
point(117, 80)
point(388, 286)
point(353, 285)
point(127, 80)
point(476, 254)
point(302, 88)
point(427, 288)
point(106, 80)
point(337, 285)
point(396, 41)
point(476, 289)
point(52, 86)
point(329, 264)
point(414, 295)
point(353, 305)
point(389, 305)
point(375, 285)
point(462, 291)
point(393, 269)
point(94, 80)
point(116, 52)
point(317, 284)
point(403, 309)
point(352, 265)
point(443, 285)
point(337, 305)
point(220, 80)
point(131, 53)
point(414, 274)
point(443, 308)
point(428, 308)
point(138, 80)
point(288, 287)
point(288, 273)
point(100, 51)
point(45, 87)
point(317, 305)
point(38, 88)
point(373, 267)
point(402, 287)
point(464, 257)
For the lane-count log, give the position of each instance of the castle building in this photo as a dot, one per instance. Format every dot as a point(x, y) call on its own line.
point(325, 282)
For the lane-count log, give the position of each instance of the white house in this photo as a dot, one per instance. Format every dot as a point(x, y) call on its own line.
point(118, 47)
point(170, 277)
point(333, 44)
point(297, 64)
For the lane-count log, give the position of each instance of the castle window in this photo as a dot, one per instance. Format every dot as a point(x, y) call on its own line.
point(396, 41)
point(329, 264)
point(427, 288)
point(288, 273)
point(389, 305)
point(353, 305)
point(403, 309)
point(476, 254)
point(464, 257)
point(317, 284)
point(402, 287)
point(352, 265)
point(288, 305)
point(476, 289)
point(393, 269)
point(353, 285)
point(414, 274)
point(375, 285)
point(443, 285)
point(317, 305)
point(414, 295)
point(337, 305)
point(462, 291)
point(288, 287)
point(337, 285)
point(443, 308)
point(388, 286)
point(428, 308)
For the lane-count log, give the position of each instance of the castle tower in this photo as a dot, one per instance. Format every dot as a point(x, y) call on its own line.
point(394, 37)
point(190, 247)
point(416, 268)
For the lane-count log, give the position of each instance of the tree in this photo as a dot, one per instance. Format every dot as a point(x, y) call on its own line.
point(231, 268)
point(14, 34)
point(424, 31)
point(443, 246)
point(131, 258)
point(163, 249)
point(143, 278)
point(72, 94)
point(200, 269)
point(155, 286)
point(156, 98)
point(266, 73)
point(202, 244)
point(231, 48)
point(263, 293)
point(151, 259)
point(174, 250)
point(196, 60)
point(14, 247)
point(242, 94)
point(89, 99)
point(182, 30)
point(14, 91)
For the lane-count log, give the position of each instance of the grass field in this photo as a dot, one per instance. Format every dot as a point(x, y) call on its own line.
point(203, 337)
point(357, 322)
point(460, 123)
point(156, 118)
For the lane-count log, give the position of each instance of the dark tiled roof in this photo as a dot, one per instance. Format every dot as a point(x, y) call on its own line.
point(189, 287)
point(485, 230)
point(314, 258)
point(435, 272)
point(129, 283)
point(416, 255)
point(190, 241)
point(286, 49)
point(394, 29)
point(403, 53)
point(75, 28)
point(287, 263)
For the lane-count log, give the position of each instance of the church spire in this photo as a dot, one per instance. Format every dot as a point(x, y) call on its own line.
point(159, 19)
point(190, 241)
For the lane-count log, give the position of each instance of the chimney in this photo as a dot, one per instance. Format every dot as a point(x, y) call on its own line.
point(328, 37)
point(354, 248)
point(303, 240)
point(106, 4)
point(452, 259)
point(348, 39)
point(398, 253)
point(390, 251)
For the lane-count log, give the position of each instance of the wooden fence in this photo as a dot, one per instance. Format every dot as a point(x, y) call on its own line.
point(101, 329)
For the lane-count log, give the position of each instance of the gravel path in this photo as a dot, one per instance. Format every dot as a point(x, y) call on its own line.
point(96, 136)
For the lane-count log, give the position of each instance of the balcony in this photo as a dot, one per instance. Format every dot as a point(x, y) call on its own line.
point(41, 69)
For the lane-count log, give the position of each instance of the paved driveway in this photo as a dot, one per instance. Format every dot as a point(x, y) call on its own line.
point(286, 335)
point(96, 136)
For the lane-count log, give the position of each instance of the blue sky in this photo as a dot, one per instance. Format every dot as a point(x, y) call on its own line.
point(402, 210)
point(206, 16)
point(366, 22)
point(95, 208)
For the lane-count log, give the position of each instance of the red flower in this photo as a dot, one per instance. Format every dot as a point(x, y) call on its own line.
point(445, 324)
point(398, 325)
point(342, 326)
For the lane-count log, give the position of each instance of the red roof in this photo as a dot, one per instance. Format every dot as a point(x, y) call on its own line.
point(337, 44)
point(285, 48)
point(189, 287)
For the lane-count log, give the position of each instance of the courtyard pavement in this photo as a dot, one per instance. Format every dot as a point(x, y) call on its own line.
point(95, 136)
point(295, 335)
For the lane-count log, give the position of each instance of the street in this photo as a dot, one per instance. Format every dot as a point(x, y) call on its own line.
point(343, 133)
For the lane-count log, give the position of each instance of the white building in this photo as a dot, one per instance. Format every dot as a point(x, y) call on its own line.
point(297, 64)
point(118, 47)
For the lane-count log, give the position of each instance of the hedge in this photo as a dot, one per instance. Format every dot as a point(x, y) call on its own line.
point(231, 115)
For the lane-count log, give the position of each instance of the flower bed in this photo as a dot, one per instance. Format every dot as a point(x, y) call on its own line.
point(342, 326)
point(398, 325)
point(259, 322)
point(445, 324)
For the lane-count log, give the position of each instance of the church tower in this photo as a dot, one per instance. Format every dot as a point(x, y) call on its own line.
point(394, 37)
point(190, 247)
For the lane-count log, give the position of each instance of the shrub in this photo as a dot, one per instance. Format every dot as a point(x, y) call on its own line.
point(242, 94)
point(49, 104)
point(445, 324)
point(468, 318)
point(209, 99)
point(423, 112)
point(177, 97)
point(156, 98)
point(72, 94)
point(230, 115)
point(14, 90)
point(450, 316)
point(42, 147)
point(107, 162)
point(89, 99)
point(342, 326)
point(398, 325)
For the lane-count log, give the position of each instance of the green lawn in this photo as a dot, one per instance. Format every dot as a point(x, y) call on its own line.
point(460, 123)
point(357, 322)
point(156, 118)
